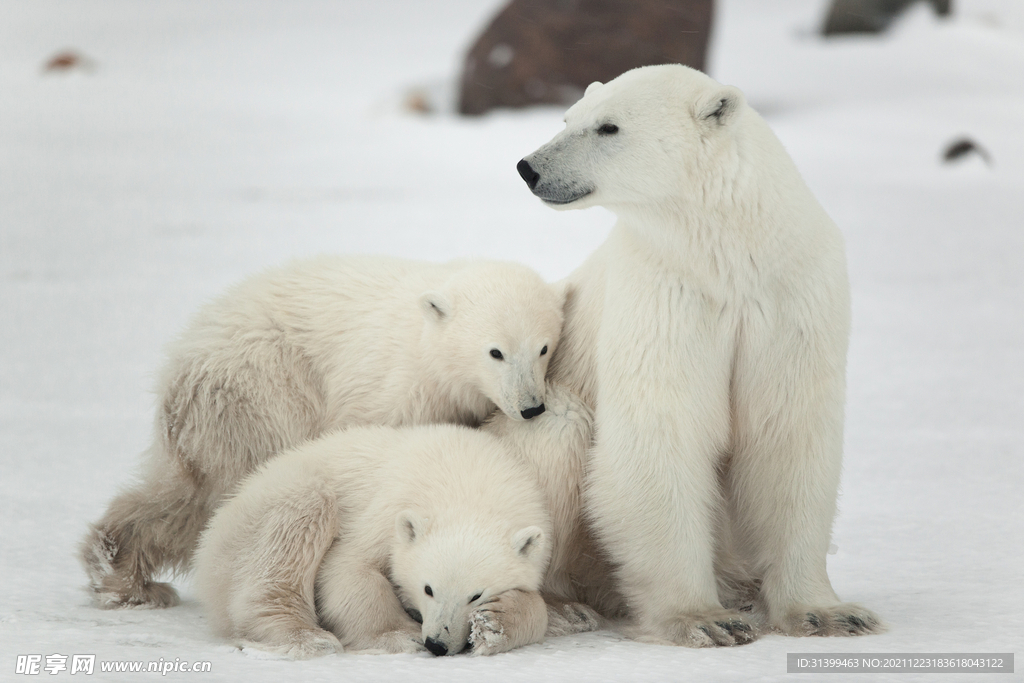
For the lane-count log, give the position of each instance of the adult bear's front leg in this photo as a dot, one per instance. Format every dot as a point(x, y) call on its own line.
point(655, 511)
point(784, 475)
point(663, 424)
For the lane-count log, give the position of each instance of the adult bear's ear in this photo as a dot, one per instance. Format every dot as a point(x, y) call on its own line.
point(528, 542)
point(409, 526)
point(719, 107)
point(436, 306)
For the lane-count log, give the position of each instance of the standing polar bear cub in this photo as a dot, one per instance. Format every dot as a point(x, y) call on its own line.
point(357, 528)
point(295, 352)
point(709, 334)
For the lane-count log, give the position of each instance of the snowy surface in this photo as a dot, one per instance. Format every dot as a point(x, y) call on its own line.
point(215, 138)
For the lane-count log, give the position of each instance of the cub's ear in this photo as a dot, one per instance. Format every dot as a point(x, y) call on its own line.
point(409, 526)
point(719, 107)
point(528, 542)
point(592, 87)
point(565, 291)
point(436, 306)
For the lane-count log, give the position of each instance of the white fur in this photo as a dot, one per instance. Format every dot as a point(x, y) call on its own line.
point(709, 333)
point(298, 351)
point(554, 446)
point(366, 519)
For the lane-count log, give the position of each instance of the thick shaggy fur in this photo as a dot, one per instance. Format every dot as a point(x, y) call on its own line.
point(256, 565)
point(295, 352)
point(577, 585)
point(709, 334)
point(359, 528)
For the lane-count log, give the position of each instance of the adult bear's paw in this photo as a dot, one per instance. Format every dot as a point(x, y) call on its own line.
point(721, 628)
point(844, 619)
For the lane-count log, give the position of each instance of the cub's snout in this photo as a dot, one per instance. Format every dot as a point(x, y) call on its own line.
point(530, 413)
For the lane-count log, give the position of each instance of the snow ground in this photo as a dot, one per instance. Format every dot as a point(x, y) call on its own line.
point(215, 138)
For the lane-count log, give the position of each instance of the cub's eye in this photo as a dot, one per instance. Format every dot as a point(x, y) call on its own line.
point(475, 597)
point(608, 129)
point(428, 591)
point(495, 353)
point(544, 351)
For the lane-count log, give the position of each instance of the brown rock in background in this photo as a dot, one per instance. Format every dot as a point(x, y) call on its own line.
point(871, 16)
point(68, 60)
point(549, 51)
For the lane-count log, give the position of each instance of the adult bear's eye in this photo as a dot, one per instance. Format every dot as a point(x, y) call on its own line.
point(544, 351)
point(475, 598)
point(495, 353)
point(608, 129)
point(428, 591)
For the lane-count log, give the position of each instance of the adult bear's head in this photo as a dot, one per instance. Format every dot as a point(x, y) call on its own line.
point(654, 134)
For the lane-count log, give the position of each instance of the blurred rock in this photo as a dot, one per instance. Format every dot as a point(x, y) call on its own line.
point(418, 101)
point(549, 51)
point(962, 148)
point(68, 60)
point(872, 16)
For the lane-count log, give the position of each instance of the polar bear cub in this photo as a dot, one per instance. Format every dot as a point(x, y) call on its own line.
point(709, 334)
point(298, 351)
point(366, 526)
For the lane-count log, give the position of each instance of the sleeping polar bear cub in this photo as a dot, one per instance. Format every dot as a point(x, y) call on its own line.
point(297, 351)
point(354, 530)
point(709, 334)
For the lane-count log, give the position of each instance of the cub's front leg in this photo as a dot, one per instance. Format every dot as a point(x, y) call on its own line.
point(258, 561)
point(357, 602)
point(507, 621)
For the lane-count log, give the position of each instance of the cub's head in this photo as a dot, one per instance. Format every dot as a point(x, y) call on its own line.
point(493, 327)
point(445, 572)
point(653, 134)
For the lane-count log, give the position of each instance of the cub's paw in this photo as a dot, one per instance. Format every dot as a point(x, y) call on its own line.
point(486, 633)
point(390, 643)
point(310, 643)
point(114, 588)
point(567, 618)
point(149, 595)
point(565, 405)
point(509, 620)
point(305, 643)
point(716, 629)
point(845, 619)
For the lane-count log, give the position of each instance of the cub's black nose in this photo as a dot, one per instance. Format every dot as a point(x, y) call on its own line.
point(436, 647)
point(531, 413)
point(529, 175)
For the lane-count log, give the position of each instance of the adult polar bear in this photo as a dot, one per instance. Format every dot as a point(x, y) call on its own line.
point(709, 333)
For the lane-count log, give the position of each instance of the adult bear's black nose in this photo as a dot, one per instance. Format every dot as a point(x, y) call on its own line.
point(436, 647)
point(531, 413)
point(529, 175)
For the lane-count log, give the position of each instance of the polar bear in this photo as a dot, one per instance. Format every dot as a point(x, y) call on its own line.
point(577, 586)
point(364, 527)
point(709, 333)
point(298, 351)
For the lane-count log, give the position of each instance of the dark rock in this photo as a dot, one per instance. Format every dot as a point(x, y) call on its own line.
point(871, 16)
point(549, 51)
point(962, 147)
